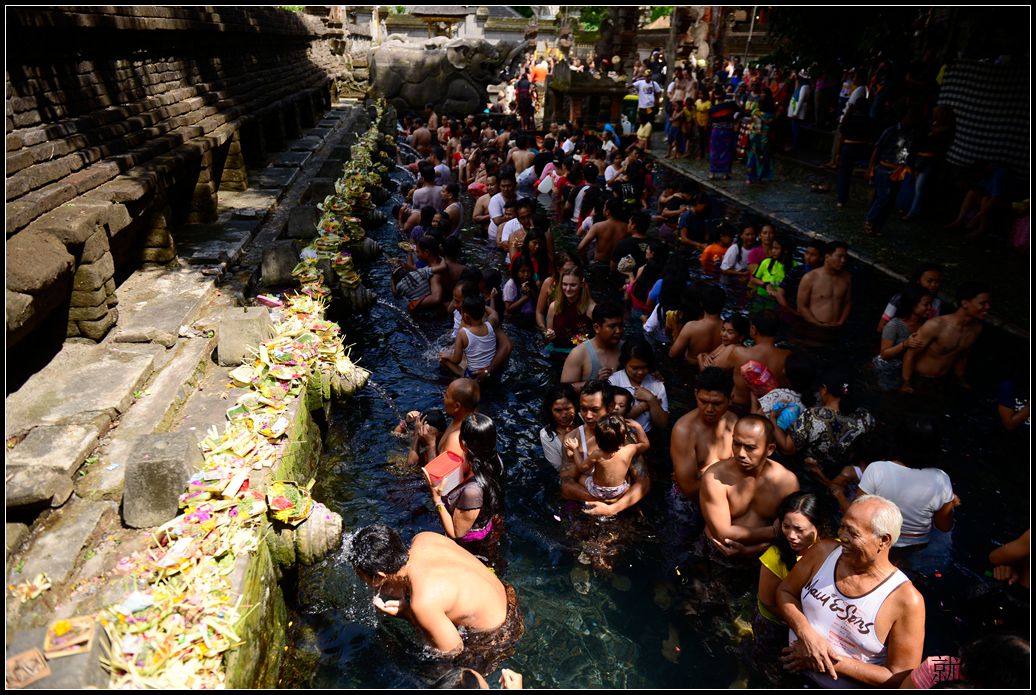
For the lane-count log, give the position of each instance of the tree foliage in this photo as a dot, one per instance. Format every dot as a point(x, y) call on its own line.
point(660, 11)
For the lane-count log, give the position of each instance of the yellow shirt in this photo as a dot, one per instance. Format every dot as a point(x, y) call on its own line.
point(771, 560)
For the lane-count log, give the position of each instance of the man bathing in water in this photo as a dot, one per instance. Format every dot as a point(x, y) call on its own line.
point(740, 495)
point(705, 435)
point(604, 471)
point(595, 402)
point(459, 401)
point(597, 358)
point(439, 587)
point(825, 294)
point(946, 341)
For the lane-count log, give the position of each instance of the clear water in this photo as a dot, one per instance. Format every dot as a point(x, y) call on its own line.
point(639, 624)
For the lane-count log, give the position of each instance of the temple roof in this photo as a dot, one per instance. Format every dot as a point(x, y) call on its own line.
point(442, 10)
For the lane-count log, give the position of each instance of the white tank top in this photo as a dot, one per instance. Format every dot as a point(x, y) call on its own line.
point(848, 624)
point(481, 349)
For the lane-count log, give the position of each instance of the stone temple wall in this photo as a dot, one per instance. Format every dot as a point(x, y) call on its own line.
point(124, 121)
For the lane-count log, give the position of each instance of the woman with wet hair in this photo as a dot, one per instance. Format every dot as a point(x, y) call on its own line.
point(559, 416)
point(470, 511)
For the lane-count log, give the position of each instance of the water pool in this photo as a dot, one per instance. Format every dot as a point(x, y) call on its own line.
point(628, 627)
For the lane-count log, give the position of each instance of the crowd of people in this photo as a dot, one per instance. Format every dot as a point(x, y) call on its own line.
point(775, 465)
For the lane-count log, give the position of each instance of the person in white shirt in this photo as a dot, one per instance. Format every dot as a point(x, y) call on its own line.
point(647, 91)
point(636, 362)
point(497, 214)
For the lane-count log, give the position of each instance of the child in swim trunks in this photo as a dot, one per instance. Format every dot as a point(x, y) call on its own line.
point(606, 468)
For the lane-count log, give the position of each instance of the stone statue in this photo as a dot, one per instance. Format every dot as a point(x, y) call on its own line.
point(451, 74)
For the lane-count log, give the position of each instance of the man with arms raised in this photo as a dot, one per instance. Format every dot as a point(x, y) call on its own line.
point(825, 295)
point(853, 615)
point(595, 401)
point(438, 586)
point(740, 495)
point(598, 357)
point(946, 340)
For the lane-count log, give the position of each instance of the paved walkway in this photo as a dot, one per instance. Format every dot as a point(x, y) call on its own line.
point(787, 199)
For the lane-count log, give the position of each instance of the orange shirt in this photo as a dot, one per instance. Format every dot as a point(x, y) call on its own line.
point(712, 255)
point(539, 74)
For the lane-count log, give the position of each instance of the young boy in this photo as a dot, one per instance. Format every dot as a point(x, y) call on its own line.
point(714, 252)
point(606, 468)
point(421, 288)
point(475, 345)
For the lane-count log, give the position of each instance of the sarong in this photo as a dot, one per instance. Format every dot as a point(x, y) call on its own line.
point(721, 148)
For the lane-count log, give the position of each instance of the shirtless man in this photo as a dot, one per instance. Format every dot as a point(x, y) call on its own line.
point(421, 139)
point(480, 214)
point(598, 357)
point(433, 119)
point(765, 325)
point(459, 401)
point(520, 156)
point(740, 495)
point(504, 138)
point(858, 621)
point(825, 294)
point(702, 336)
point(705, 435)
point(946, 341)
point(488, 133)
point(436, 585)
point(595, 401)
point(608, 232)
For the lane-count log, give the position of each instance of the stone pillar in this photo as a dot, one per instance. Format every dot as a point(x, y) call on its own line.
point(159, 246)
point(253, 142)
point(292, 120)
point(92, 312)
point(235, 173)
point(204, 200)
point(273, 129)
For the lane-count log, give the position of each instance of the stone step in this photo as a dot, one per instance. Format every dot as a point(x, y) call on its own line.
point(81, 383)
point(155, 302)
point(154, 412)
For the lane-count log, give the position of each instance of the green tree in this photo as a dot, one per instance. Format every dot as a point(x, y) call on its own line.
point(660, 11)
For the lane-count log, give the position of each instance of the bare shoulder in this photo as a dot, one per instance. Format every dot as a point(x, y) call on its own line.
point(718, 474)
point(685, 425)
point(907, 598)
point(781, 477)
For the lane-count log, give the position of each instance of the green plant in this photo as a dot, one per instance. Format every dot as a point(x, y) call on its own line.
point(660, 11)
point(89, 554)
point(19, 567)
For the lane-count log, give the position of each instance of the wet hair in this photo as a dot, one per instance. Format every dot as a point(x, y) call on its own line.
point(923, 268)
point(377, 548)
point(832, 246)
point(801, 371)
point(641, 220)
point(652, 270)
point(606, 310)
point(887, 520)
point(918, 439)
point(766, 322)
point(812, 507)
point(638, 348)
point(674, 282)
point(427, 213)
point(471, 275)
point(911, 295)
point(592, 386)
point(478, 435)
point(742, 326)
point(969, 289)
point(610, 433)
point(713, 299)
point(554, 394)
point(507, 174)
point(785, 256)
point(548, 144)
point(451, 244)
point(427, 172)
point(996, 661)
point(868, 448)
point(453, 189)
point(723, 230)
point(475, 307)
point(716, 379)
point(430, 244)
point(435, 418)
point(836, 379)
point(751, 418)
point(466, 392)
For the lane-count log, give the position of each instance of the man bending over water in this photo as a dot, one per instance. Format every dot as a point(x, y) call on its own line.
point(740, 496)
point(439, 587)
